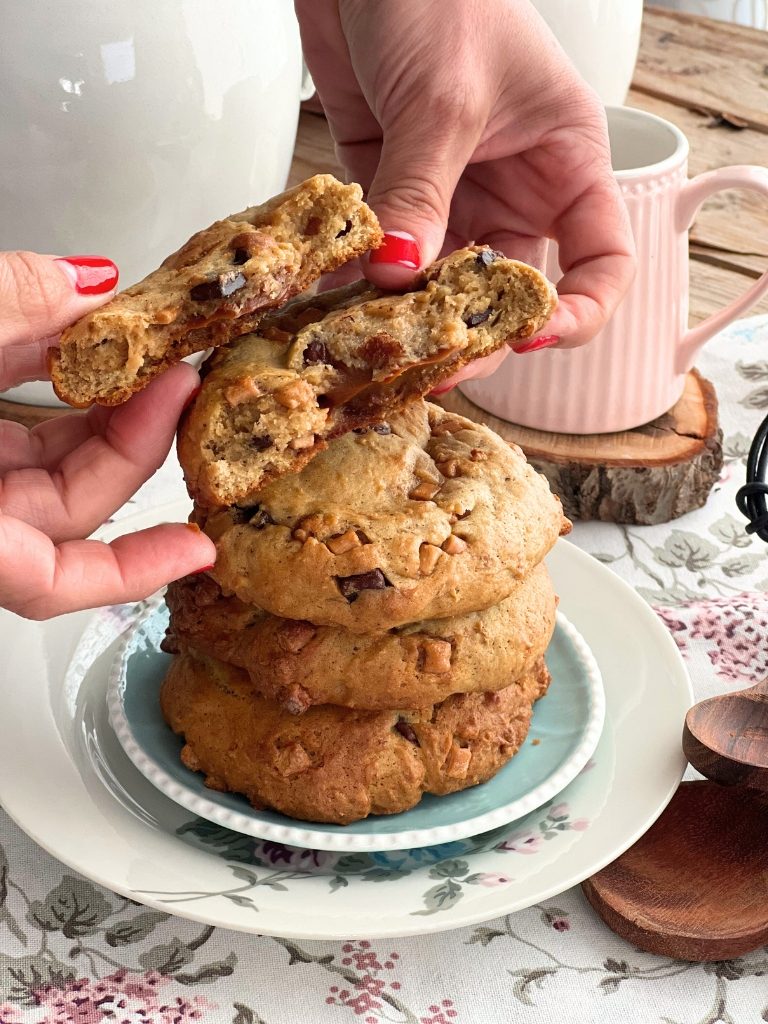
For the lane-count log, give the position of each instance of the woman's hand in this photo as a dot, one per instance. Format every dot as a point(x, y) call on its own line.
point(465, 122)
point(62, 479)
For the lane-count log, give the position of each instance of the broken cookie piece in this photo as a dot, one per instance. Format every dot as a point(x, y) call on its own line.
point(217, 286)
point(347, 360)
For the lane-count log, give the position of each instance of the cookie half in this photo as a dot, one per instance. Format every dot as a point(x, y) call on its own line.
point(298, 664)
point(426, 516)
point(337, 764)
point(217, 286)
point(272, 400)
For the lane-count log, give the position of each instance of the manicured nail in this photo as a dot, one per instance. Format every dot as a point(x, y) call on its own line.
point(442, 389)
point(398, 247)
point(546, 341)
point(191, 397)
point(204, 568)
point(91, 275)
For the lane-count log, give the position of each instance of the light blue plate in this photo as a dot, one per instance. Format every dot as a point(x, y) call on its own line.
point(566, 727)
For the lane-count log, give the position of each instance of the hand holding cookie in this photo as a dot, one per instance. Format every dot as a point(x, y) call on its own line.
point(466, 123)
point(62, 479)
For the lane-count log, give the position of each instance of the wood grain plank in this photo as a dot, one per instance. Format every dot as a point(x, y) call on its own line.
point(704, 64)
point(713, 287)
point(313, 153)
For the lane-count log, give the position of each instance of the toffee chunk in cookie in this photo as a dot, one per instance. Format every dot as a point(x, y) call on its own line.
point(217, 286)
point(337, 764)
point(298, 664)
point(436, 516)
point(272, 400)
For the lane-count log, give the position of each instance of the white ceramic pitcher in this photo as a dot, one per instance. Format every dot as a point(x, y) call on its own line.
point(601, 37)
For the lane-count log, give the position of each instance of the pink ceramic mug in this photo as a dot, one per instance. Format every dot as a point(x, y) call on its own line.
point(634, 370)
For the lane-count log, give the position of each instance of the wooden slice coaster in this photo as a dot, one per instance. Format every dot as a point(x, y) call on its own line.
point(30, 415)
point(695, 887)
point(648, 475)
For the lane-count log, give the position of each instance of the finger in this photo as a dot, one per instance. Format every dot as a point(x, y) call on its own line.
point(119, 450)
point(525, 248)
point(41, 295)
point(25, 361)
point(412, 189)
point(39, 580)
point(597, 255)
point(474, 370)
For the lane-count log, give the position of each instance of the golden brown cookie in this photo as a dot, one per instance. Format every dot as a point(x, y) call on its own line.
point(218, 285)
point(272, 400)
point(426, 517)
point(336, 764)
point(298, 664)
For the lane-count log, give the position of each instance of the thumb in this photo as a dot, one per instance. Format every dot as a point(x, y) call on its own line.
point(411, 194)
point(41, 295)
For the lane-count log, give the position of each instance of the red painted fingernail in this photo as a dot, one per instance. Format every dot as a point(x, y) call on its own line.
point(203, 568)
point(532, 346)
point(191, 397)
point(398, 247)
point(93, 275)
point(443, 389)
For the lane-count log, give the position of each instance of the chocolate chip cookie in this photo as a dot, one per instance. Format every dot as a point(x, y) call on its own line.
point(217, 286)
point(272, 400)
point(298, 664)
point(337, 764)
point(426, 516)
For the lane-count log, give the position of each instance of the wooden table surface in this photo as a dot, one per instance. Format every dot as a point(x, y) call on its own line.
point(711, 79)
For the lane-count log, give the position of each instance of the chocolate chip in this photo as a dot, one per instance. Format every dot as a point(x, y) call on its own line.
point(486, 257)
point(315, 352)
point(244, 513)
point(240, 256)
point(351, 586)
point(377, 428)
point(261, 442)
point(475, 319)
point(406, 731)
point(220, 287)
point(253, 515)
point(261, 519)
point(345, 230)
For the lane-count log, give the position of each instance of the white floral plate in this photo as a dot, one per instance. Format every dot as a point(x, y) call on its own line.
point(67, 782)
point(566, 726)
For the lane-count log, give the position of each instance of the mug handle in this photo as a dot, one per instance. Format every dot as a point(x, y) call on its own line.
point(693, 194)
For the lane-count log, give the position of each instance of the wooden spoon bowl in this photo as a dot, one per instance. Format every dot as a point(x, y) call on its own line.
point(726, 737)
point(695, 887)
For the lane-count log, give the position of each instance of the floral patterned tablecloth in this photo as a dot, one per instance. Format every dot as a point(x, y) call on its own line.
point(71, 951)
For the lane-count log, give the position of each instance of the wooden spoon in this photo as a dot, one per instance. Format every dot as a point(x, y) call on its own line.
point(726, 737)
point(695, 887)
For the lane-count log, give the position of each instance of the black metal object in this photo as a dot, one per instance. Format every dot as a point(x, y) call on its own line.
point(752, 498)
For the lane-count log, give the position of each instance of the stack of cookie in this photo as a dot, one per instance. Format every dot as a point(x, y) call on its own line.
point(375, 624)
